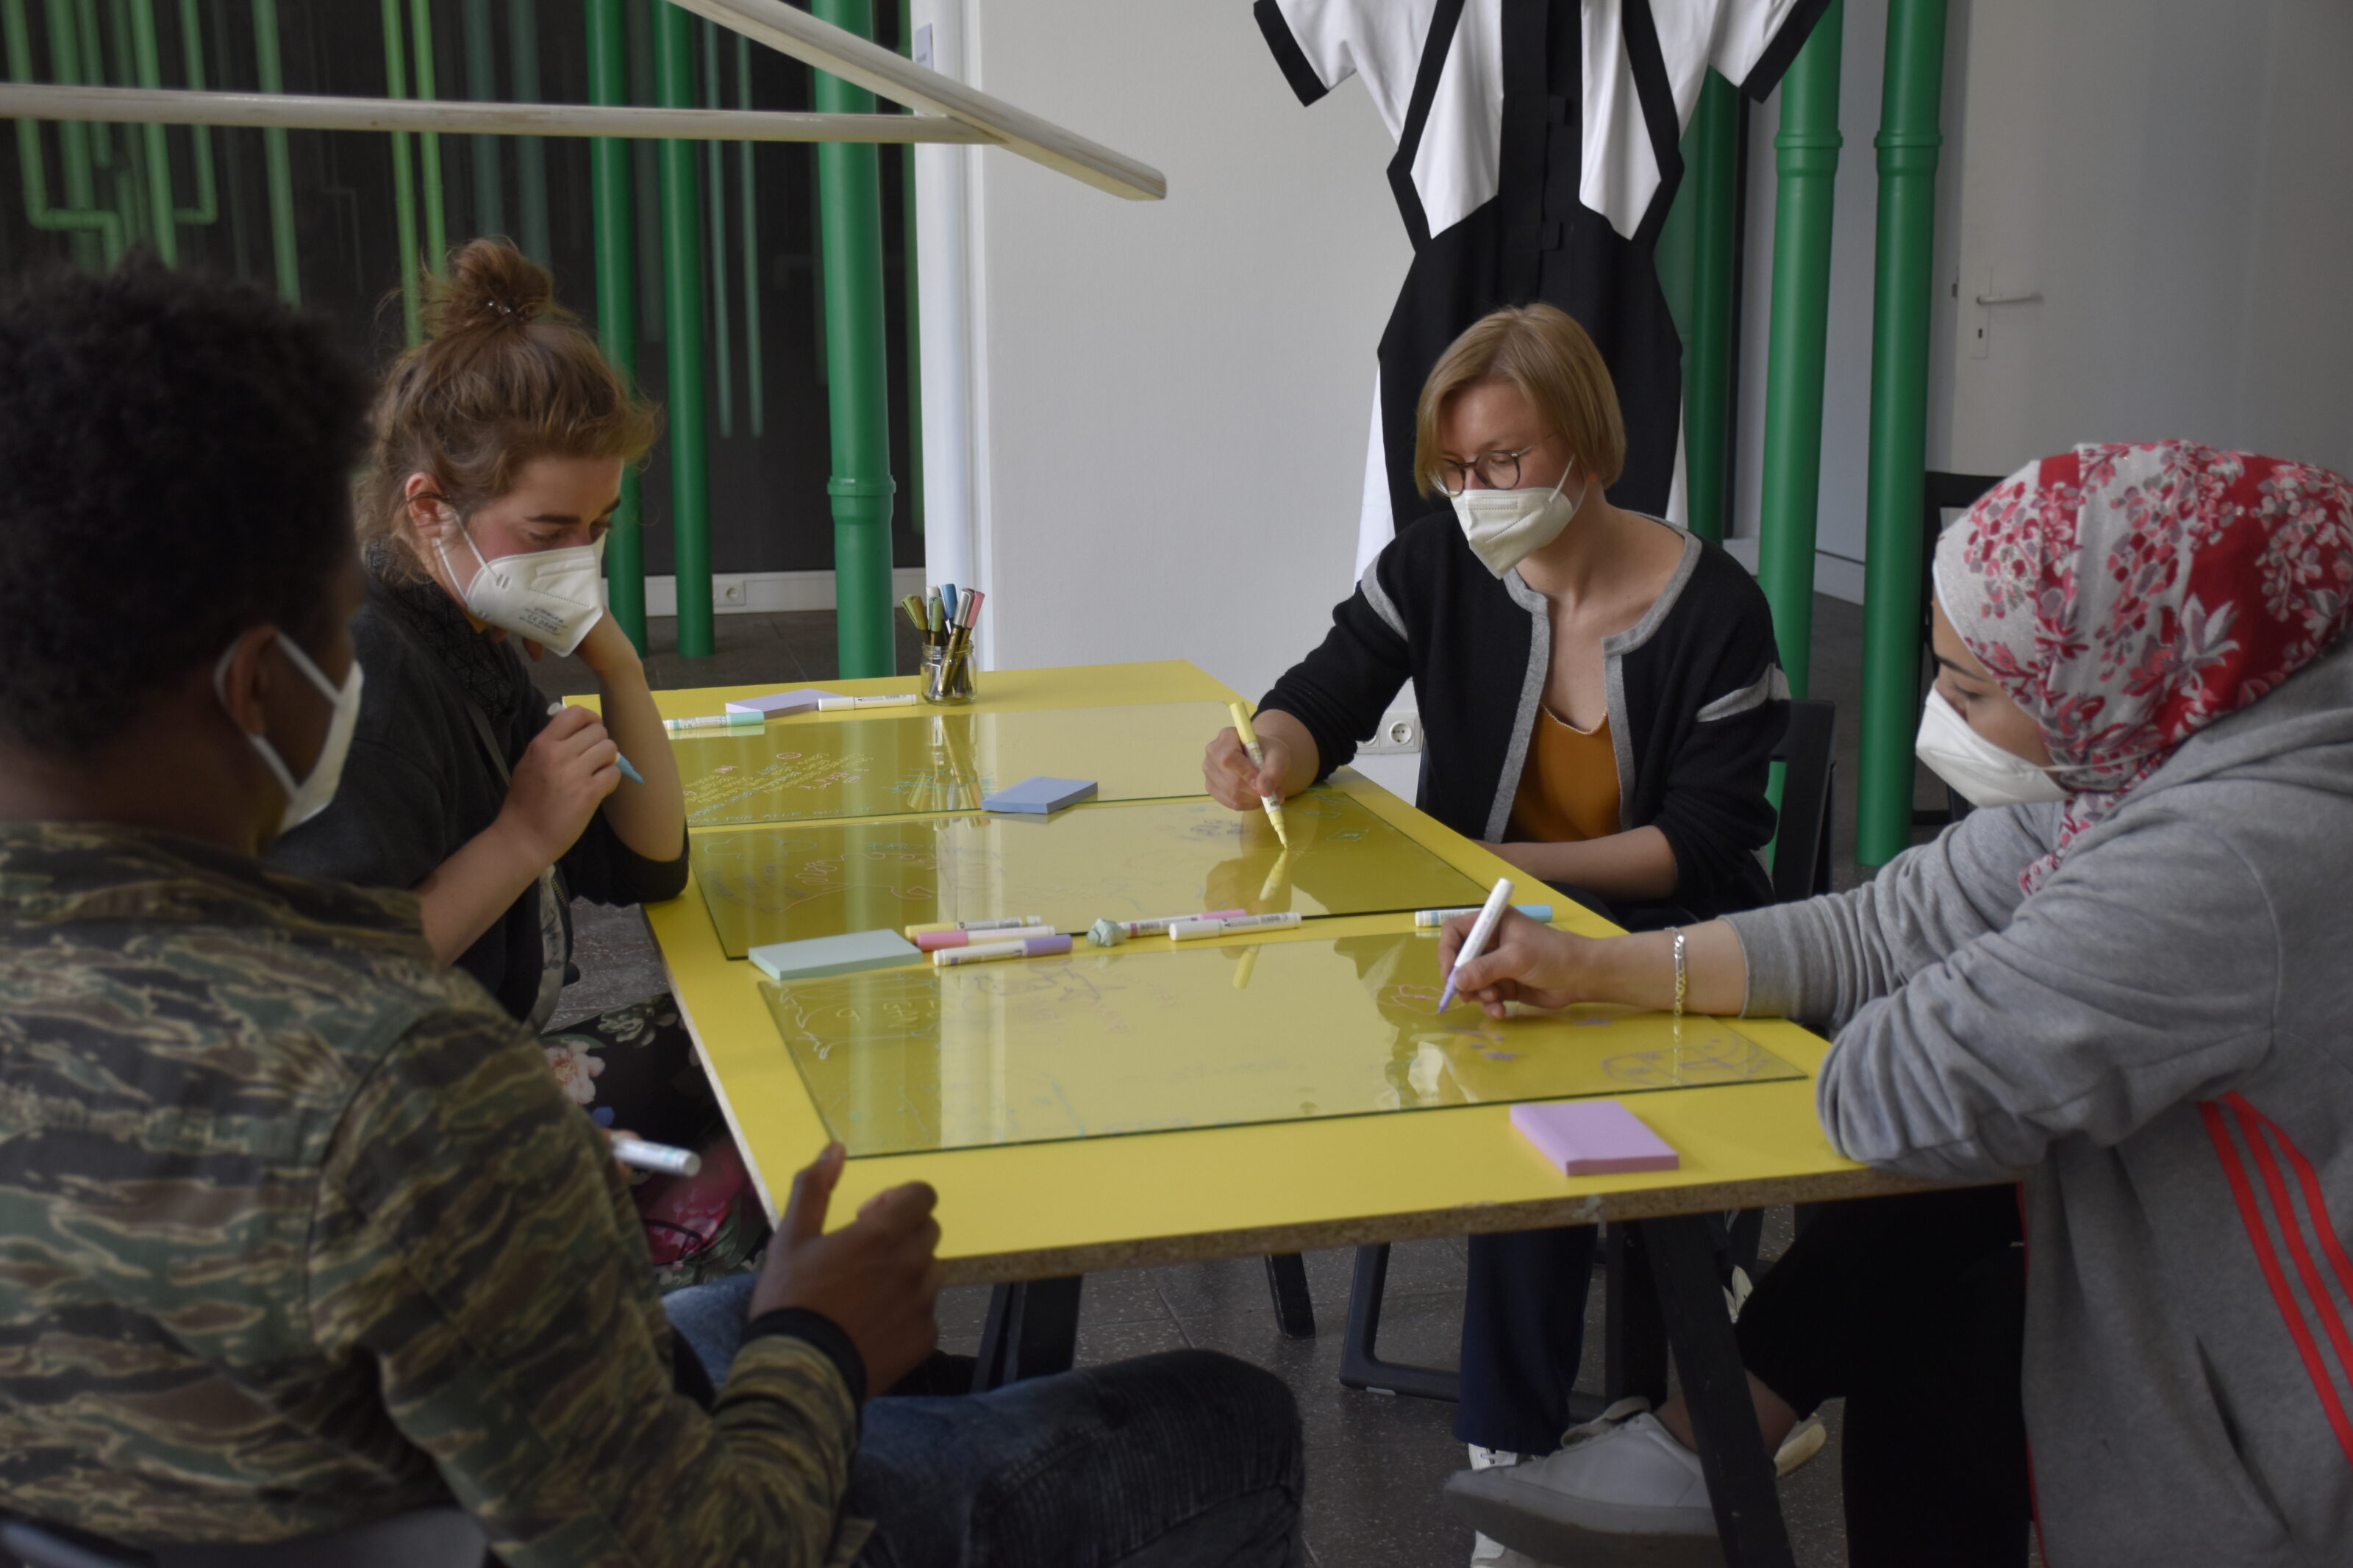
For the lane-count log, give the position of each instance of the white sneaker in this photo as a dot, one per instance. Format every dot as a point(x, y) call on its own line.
point(1485, 1551)
point(1619, 1490)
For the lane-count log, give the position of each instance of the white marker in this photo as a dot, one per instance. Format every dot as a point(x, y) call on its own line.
point(989, 952)
point(1195, 930)
point(837, 704)
point(716, 722)
point(1430, 920)
point(1480, 929)
point(662, 1157)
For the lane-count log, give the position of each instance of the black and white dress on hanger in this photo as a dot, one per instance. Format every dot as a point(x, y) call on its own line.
point(1538, 153)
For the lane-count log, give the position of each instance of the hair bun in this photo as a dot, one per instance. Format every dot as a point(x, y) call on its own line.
point(491, 285)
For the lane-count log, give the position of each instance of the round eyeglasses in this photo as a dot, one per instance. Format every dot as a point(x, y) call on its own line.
point(1496, 471)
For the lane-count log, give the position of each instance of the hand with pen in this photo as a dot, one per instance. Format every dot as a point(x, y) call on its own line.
point(1289, 762)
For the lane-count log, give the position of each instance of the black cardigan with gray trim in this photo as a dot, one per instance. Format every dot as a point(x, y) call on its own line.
point(1697, 700)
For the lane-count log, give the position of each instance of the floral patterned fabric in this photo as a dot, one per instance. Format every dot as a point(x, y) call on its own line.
point(2127, 596)
point(634, 1068)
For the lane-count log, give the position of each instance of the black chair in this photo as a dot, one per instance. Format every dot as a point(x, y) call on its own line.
point(1801, 868)
point(426, 1537)
point(1939, 494)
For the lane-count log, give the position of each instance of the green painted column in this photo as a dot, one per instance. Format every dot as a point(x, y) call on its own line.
point(612, 200)
point(428, 143)
point(482, 87)
point(1908, 141)
point(530, 151)
point(858, 385)
point(1711, 170)
point(404, 178)
point(682, 232)
point(285, 253)
point(1806, 153)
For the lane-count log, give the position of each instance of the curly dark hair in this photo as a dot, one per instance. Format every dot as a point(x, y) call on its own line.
point(175, 463)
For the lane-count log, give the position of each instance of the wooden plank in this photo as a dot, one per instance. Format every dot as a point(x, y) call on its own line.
point(174, 106)
point(868, 65)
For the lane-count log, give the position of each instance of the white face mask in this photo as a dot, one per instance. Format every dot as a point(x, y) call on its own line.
point(1983, 773)
point(308, 799)
point(551, 597)
point(1506, 527)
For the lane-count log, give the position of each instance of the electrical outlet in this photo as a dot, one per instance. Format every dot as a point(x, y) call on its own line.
point(1399, 735)
point(730, 592)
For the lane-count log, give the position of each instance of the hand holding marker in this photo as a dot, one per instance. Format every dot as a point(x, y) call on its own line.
point(619, 761)
point(1480, 929)
point(1248, 737)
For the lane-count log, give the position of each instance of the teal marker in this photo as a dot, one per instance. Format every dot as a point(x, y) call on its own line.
point(1430, 920)
point(619, 761)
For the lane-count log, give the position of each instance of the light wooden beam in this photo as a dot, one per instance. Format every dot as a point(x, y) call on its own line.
point(871, 66)
point(171, 106)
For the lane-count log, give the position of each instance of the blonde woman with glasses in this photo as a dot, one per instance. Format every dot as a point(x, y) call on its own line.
point(1601, 695)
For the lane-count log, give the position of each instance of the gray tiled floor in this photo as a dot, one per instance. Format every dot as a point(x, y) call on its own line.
point(1375, 1462)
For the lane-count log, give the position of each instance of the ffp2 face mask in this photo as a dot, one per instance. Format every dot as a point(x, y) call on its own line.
point(1983, 773)
point(308, 798)
point(551, 597)
point(1505, 528)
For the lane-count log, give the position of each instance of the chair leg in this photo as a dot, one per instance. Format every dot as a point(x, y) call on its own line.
point(1295, 1308)
point(1360, 1365)
point(1032, 1331)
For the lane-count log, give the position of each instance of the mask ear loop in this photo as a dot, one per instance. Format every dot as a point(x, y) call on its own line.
point(260, 743)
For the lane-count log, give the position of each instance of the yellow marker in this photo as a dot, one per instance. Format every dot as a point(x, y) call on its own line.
point(1273, 802)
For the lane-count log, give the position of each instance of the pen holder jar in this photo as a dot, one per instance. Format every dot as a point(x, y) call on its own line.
point(947, 677)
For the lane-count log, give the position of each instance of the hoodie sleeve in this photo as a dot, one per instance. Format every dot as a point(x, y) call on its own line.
point(2144, 972)
point(1716, 814)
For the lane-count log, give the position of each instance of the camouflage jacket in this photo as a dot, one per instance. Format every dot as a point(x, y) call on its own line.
point(297, 1230)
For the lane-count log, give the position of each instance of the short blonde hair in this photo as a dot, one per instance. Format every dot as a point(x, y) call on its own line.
point(1542, 351)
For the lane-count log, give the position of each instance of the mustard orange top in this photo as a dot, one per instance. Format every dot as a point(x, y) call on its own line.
point(1569, 790)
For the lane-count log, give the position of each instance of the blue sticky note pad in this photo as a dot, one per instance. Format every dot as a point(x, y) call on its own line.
point(1040, 794)
point(823, 955)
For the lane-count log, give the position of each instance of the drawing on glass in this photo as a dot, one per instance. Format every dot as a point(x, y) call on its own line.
point(1153, 1039)
point(806, 768)
point(1130, 861)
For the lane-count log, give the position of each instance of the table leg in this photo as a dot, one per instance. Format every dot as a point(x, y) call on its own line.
point(1707, 1362)
point(1295, 1308)
point(1032, 1331)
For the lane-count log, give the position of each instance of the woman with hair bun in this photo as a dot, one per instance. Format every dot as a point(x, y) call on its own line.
point(499, 448)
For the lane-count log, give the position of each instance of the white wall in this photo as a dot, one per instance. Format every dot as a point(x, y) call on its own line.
point(1174, 396)
point(2174, 177)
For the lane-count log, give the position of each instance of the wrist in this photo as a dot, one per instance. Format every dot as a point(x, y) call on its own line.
point(521, 845)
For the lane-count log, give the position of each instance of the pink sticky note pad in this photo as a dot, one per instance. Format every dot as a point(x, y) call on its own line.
point(1592, 1137)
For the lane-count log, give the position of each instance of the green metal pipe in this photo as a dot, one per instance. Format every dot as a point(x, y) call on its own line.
point(403, 179)
point(77, 218)
point(482, 86)
point(858, 390)
point(613, 202)
point(681, 227)
point(754, 360)
point(88, 241)
point(1908, 145)
point(530, 151)
point(1806, 152)
point(914, 295)
point(164, 233)
point(207, 211)
point(428, 143)
point(1712, 154)
point(285, 247)
point(723, 370)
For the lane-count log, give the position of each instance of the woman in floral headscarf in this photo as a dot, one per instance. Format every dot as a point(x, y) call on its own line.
point(2126, 983)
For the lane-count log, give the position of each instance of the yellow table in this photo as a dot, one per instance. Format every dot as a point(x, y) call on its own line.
point(1045, 1210)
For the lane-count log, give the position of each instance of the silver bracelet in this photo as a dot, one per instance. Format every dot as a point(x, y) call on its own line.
point(1682, 979)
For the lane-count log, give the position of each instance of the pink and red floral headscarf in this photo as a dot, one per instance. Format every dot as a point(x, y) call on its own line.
point(2127, 596)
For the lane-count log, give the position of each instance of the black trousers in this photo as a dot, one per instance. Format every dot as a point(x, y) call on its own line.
point(1522, 1331)
point(1913, 1309)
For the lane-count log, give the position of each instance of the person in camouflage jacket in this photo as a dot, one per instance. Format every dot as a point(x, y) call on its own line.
point(297, 1232)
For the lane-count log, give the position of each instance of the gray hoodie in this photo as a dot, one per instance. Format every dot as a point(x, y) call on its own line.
point(2161, 1042)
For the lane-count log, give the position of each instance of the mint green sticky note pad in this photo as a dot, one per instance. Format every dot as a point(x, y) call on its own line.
point(822, 956)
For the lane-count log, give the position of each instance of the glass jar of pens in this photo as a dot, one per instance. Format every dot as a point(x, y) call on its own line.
point(945, 621)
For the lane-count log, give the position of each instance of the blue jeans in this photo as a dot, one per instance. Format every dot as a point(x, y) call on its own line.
point(1171, 1461)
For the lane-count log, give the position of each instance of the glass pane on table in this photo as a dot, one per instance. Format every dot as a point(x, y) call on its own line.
point(1133, 861)
point(1149, 1039)
point(906, 761)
